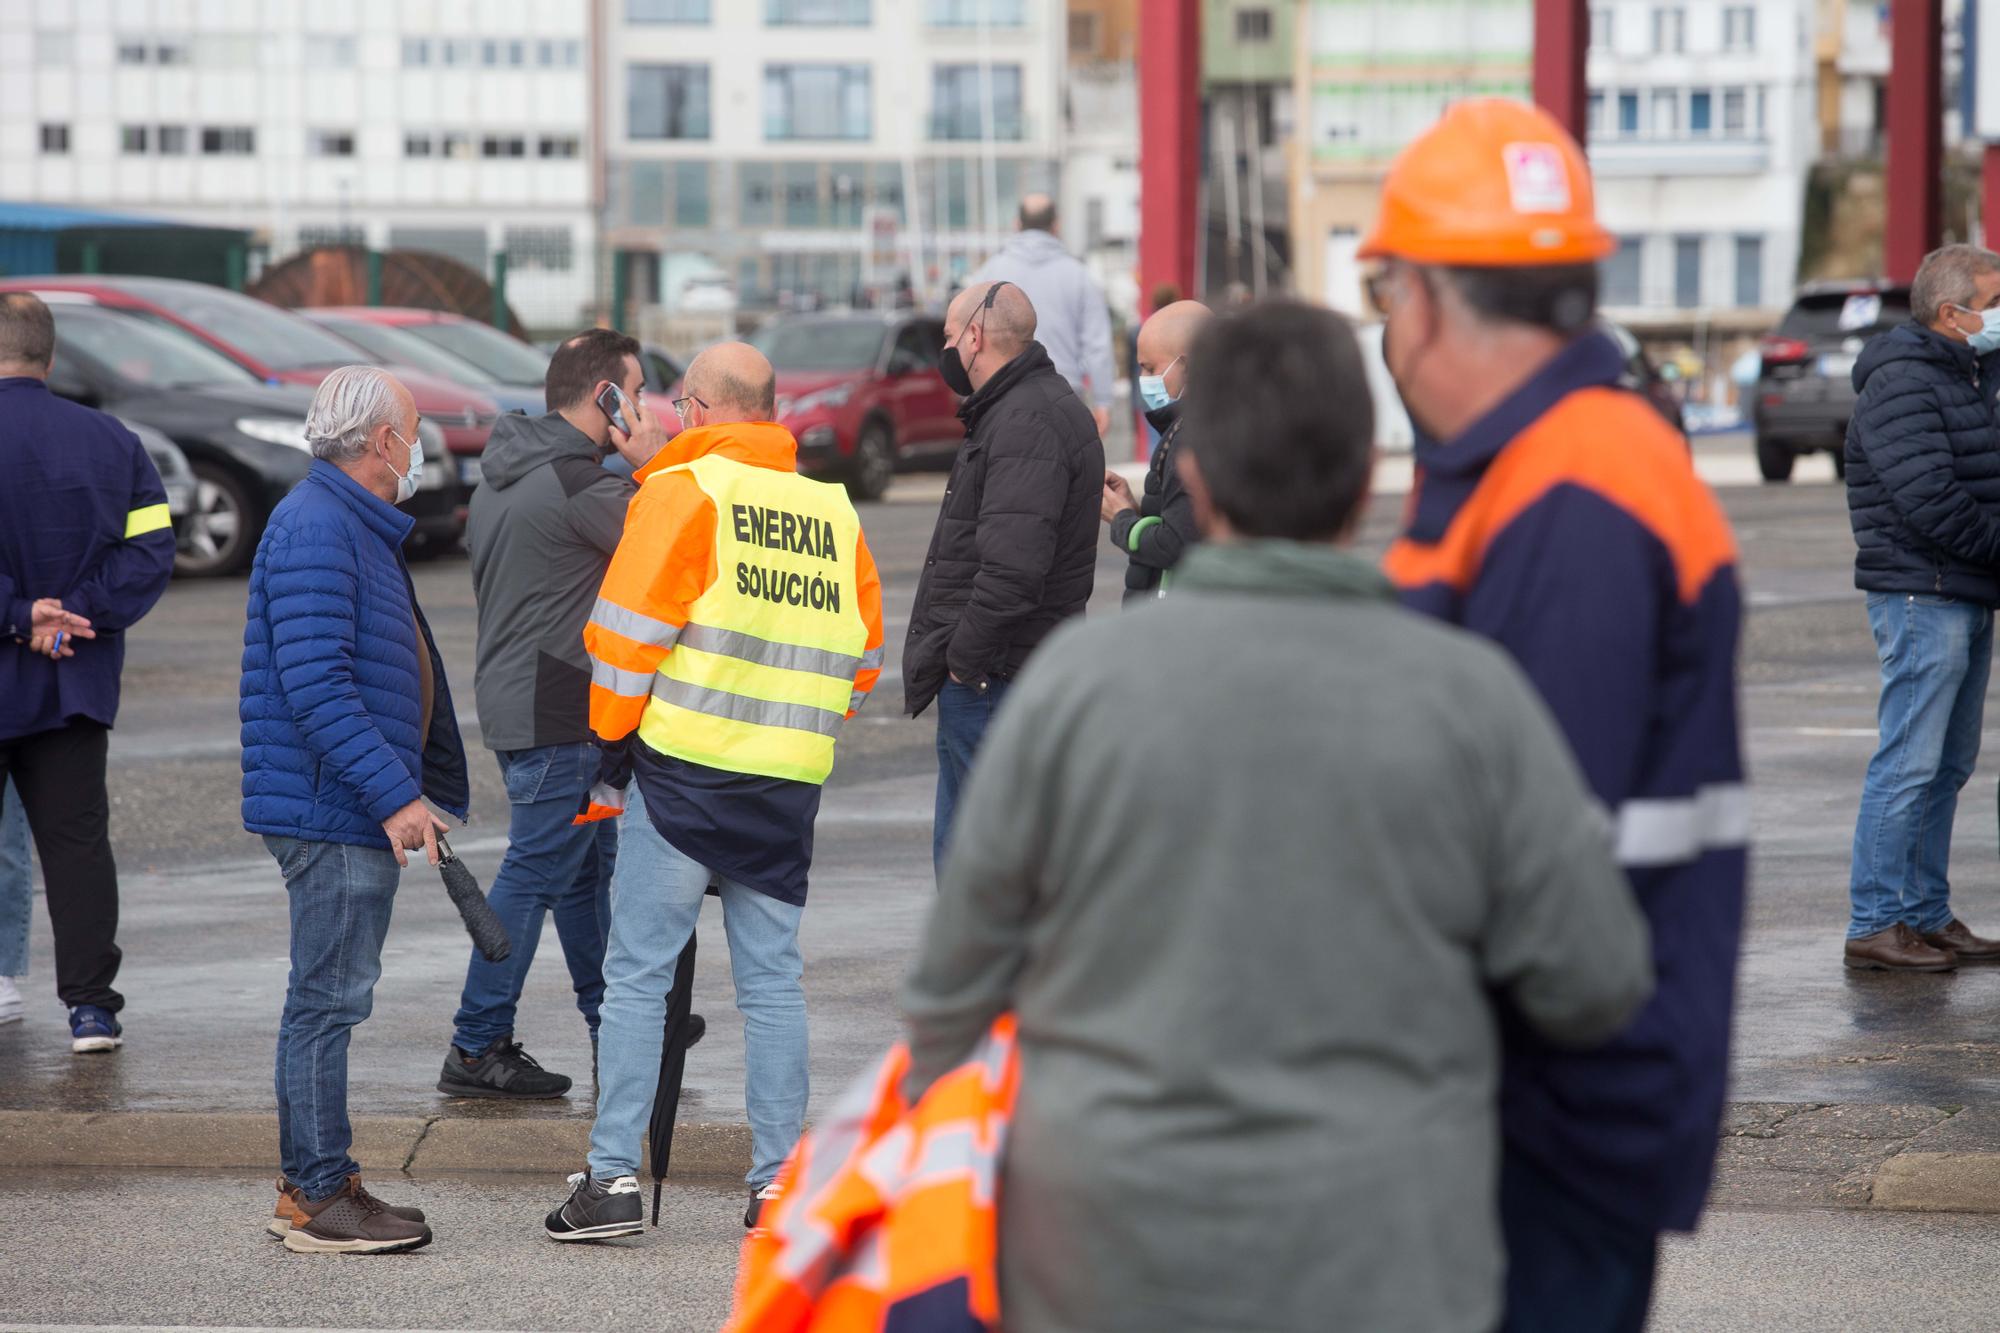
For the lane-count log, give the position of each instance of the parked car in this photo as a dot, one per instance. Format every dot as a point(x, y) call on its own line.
point(176, 473)
point(499, 358)
point(1805, 386)
point(392, 343)
point(276, 345)
point(244, 439)
point(862, 395)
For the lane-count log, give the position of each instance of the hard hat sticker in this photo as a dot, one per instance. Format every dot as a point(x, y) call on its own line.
point(1537, 177)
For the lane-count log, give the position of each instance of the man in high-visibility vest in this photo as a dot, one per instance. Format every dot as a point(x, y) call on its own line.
point(1559, 515)
point(739, 625)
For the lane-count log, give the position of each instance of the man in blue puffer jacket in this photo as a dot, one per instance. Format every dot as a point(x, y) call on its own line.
point(1923, 492)
point(347, 726)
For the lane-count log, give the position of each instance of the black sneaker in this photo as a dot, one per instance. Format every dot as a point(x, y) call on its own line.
point(598, 1209)
point(502, 1071)
point(760, 1196)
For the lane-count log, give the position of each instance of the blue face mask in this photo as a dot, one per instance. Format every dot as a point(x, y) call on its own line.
point(1153, 389)
point(1988, 337)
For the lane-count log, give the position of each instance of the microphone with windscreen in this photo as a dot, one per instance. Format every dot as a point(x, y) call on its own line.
point(488, 935)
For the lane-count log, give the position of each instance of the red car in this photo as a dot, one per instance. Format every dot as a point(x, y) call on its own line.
point(276, 345)
point(862, 394)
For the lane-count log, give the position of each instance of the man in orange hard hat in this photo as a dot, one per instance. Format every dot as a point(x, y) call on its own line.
point(1559, 515)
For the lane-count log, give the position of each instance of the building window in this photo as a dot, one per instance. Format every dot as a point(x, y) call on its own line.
point(1687, 271)
point(1750, 271)
point(55, 49)
point(329, 51)
point(558, 145)
point(489, 53)
point(1600, 27)
point(845, 13)
point(1619, 273)
point(318, 235)
point(960, 105)
point(995, 13)
point(666, 102)
point(457, 53)
point(131, 51)
point(691, 194)
point(1700, 111)
point(330, 143)
point(756, 192)
point(1593, 119)
point(1253, 26)
point(503, 145)
point(1666, 113)
point(228, 141)
point(1628, 113)
point(456, 145)
point(170, 140)
point(816, 102)
point(418, 143)
point(55, 138)
point(228, 50)
point(666, 11)
point(885, 188)
point(465, 244)
point(175, 52)
point(549, 248)
point(1739, 27)
point(802, 201)
point(1669, 30)
point(416, 52)
point(1735, 111)
point(135, 139)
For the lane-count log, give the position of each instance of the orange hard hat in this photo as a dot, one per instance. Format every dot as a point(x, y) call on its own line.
point(1495, 183)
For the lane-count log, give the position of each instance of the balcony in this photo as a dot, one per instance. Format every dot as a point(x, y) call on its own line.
point(1680, 155)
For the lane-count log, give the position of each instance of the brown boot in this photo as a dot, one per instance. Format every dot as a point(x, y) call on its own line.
point(1898, 949)
point(1969, 947)
point(352, 1221)
point(288, 1214)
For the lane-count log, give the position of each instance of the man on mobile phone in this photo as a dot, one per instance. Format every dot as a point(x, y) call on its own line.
point(544, 522)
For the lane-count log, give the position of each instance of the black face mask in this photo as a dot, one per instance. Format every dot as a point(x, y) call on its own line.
point(951, 367)
point(1162, 419)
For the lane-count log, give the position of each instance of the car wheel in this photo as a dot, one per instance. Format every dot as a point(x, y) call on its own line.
point(221, 534)
point(874, 463)
point(1775, 459)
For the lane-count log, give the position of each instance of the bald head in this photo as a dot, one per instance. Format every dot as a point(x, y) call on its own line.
point(1038, 213)
point(733, 382)
point(988, 337)
point(1169, 333)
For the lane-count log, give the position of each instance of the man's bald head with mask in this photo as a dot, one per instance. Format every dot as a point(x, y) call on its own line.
point(988, 325)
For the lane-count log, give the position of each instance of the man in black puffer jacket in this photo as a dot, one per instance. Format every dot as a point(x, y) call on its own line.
point(1014, 554)
point(1923, 492)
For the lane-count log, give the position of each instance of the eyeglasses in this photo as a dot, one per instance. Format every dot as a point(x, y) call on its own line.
point(680, 405)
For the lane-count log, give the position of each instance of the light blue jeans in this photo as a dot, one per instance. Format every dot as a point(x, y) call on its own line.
point(656, 897)
point(17, 883)
point(1936, 654)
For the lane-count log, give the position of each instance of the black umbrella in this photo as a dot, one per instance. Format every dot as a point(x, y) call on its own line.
point(673, 1063)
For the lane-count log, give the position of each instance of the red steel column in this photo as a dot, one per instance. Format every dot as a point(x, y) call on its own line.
point(1916, 136)
point(1169, 143)
point(1562, 38)
point(1989, 194)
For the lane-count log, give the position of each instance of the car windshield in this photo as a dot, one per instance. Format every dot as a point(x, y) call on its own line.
point(1832, 316)
point(277, 338)
point(395, 347)
point(487, 350)
point(821, 345)
point(142, 352)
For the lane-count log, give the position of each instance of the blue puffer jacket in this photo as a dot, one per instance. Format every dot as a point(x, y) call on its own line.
point(331, 685)
point(1923, 467)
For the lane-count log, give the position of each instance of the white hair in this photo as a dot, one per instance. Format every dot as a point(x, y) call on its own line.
point(350, 404)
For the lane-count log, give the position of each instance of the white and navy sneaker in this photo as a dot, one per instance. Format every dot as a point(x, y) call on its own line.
point(599, 1209)
point(93, 1029)
point(753, 1216)
point(11, 1008)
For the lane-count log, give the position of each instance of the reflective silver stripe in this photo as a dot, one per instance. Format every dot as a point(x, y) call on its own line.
point(624, 684)
point(638, 628)
point(742, 708)
point(855, 700)
point(872, 659)
point(1668, 832)
point(750, 648)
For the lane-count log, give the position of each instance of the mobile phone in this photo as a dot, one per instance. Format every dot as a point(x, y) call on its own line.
point(611, 400)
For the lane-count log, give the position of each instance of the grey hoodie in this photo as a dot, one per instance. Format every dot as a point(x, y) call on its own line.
point(543, 525)
point(1071, 320)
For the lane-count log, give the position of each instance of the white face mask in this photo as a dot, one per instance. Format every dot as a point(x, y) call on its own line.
point(406, 482)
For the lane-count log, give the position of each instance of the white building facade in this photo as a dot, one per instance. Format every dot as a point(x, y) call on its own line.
point(455, 126)
point(814, 153)
point(1702, 133)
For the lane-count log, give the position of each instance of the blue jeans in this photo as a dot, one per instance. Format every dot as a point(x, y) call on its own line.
point(655, 899)
point(1570, 1269)
point(341, 897)
point(1936, 654)
point(551, 864)
point(17, 883)
point(963, 716)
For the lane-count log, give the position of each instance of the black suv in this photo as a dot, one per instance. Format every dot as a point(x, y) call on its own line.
point(1805, 385)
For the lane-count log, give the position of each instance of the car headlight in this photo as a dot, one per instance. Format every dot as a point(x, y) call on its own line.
point(832, 397)
point(275, 430)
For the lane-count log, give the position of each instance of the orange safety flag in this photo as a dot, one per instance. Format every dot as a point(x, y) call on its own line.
point(888, 1216)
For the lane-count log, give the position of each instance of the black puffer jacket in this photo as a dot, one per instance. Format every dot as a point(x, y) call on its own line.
point(1015, 551)
point(1923, 467)
point(1156, 534)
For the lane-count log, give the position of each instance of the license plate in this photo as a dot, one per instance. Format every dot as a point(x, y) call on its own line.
point(1836, 366)
point(469, 472)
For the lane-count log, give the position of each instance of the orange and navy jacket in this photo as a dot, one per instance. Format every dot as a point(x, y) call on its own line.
point(666, 561)
point(888, 1217)
point(1568, 526)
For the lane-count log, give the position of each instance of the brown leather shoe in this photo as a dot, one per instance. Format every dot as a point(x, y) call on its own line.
point(289, 1214)
point(352, 1221)
point(1898, 949)
point(1969, 947)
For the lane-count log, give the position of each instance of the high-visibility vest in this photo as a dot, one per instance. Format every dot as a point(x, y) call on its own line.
point(888, 1214)
point(762, 675)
